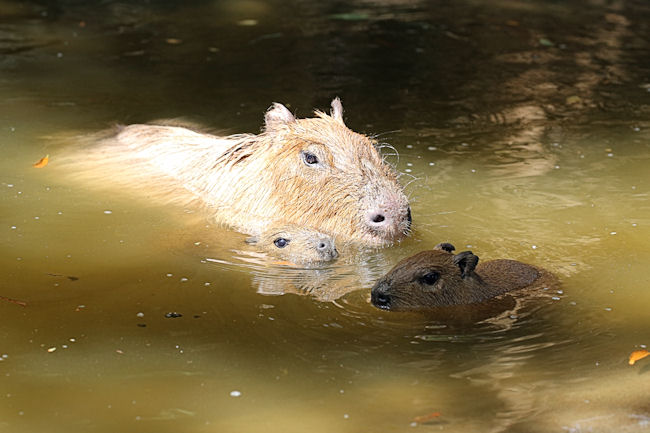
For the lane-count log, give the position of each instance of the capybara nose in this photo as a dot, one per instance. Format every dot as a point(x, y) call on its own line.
point(379, 296)
point(390, 223)
point(326, 249)
point(377, 219)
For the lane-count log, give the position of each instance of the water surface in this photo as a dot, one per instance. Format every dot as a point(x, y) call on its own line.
point(522, 132)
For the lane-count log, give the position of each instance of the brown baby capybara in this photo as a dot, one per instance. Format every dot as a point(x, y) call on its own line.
point(439, 278)
point(298, 245)
point(312, 172)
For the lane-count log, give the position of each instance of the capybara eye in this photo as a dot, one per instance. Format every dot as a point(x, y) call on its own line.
point(281, 242)
point(309, 158)
point(430, 278)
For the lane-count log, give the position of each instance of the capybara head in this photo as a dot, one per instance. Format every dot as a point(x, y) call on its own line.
point(299, 245)
point(304, 172)
point(431, 278)
point(321, 174)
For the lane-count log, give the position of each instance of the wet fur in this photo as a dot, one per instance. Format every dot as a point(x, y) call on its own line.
point(461, 281)
point(305, 246)
point(250, 182)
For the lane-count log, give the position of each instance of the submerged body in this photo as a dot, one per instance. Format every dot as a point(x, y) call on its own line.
point(311, 172)
point(439, 278)
point(298, 245)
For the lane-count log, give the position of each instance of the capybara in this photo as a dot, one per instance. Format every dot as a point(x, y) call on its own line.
point(312, 172)
point(439, 278)
point(299, 245)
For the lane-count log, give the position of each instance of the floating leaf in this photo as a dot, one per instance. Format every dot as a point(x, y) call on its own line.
point(173, 41)
point(546, 42)
point(42, 162)
point(637, 355)
point(426, 418)
point(13, 301)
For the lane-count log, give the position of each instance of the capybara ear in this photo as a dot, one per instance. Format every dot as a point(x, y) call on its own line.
point(445, 246)
point(337, 110)
point(467, 262)
point(252, 240)
point(276, 116)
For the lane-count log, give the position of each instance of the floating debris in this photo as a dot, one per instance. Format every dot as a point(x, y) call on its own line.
point(427, 418)
point(42, 162)
point(637, 355)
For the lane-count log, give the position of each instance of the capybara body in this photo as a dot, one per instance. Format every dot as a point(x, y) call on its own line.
point(312, 172)
point(439, 278)
point(298, 245)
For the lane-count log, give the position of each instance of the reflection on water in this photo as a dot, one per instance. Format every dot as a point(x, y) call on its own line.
point(522, 130)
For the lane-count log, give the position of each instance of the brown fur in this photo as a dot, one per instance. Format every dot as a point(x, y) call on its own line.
point(299, 245)
point(251, 182)
point(438, 278)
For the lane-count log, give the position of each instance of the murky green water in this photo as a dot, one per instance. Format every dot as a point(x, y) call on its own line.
point(523, 132)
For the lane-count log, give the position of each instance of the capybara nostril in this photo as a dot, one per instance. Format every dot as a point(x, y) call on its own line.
point(377, 219)
point(379, 295)
point(327, 249)
point(380, 300)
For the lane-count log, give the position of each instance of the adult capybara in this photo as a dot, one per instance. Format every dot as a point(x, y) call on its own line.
point(439, 278)
point(298, 245)
point(312, 172)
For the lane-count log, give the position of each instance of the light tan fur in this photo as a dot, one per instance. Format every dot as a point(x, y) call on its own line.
point(251, 182)
point(301, 245)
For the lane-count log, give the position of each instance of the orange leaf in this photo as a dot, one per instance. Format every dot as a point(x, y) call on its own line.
point(426, 418)
point(42, 162)
point(637, 355)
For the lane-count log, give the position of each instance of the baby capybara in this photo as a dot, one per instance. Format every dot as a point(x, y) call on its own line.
point(312, 172)
point(298, 245)
point(438, 278)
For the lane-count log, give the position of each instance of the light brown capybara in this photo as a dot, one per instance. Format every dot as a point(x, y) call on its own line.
point(298, 245)
point(312, 172)
point(439, 278)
